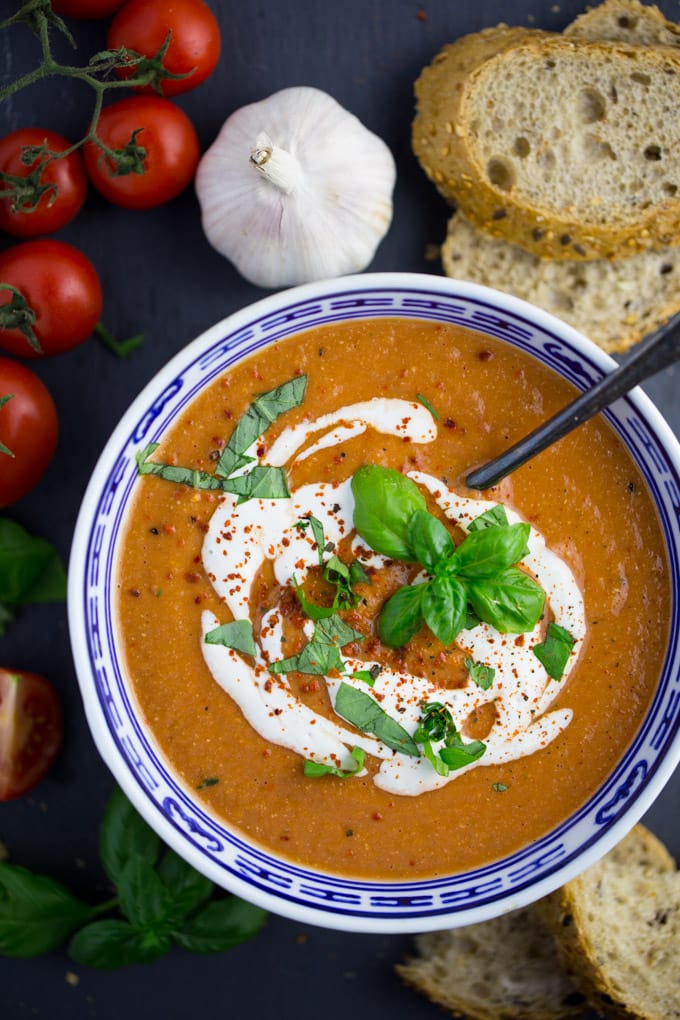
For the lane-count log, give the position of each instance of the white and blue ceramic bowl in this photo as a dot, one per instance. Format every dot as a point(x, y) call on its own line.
point(130, 750)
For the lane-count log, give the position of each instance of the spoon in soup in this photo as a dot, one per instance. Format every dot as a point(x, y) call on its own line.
point(658, 351)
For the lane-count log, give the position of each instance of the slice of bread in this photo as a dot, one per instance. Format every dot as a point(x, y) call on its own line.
point(507, 967)
point(615, 304)
point(569, 148)
point(617, 927)
point(625, 21)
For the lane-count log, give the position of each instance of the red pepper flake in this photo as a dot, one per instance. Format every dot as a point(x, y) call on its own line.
point(485, 355)
point(169, 529)
point(378, 816)
point(135, 592)
point(267, 753)
point(449, 423)
point(192, 577)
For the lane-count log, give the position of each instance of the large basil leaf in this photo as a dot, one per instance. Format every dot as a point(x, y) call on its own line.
point(385, 501)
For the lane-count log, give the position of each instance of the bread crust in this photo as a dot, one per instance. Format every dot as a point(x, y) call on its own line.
point(577, 916)
point(444, 139)
point(626, 21)
point(615, 304)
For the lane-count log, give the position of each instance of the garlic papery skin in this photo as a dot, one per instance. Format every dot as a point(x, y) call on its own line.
point(295, 188)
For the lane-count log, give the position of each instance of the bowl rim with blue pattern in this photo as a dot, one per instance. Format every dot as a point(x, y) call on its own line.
point(171, 808)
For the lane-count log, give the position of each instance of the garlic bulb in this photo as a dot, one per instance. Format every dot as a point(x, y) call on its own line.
point(295, 188)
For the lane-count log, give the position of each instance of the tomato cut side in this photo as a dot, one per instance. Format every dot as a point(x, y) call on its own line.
point(31, 729)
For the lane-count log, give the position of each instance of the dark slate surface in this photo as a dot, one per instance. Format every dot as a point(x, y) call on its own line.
point(161, 277)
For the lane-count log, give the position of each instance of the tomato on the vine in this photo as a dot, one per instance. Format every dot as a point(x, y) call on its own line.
point(59, 204)
point(61, 287)
point(171, 151)
point(86, 8)
point(31, 730)
point(28, 430)
point(194, 48)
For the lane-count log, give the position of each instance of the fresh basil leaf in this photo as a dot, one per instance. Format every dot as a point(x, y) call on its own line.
point(37, 914)
point(123, 835)
point(443, 608)
point(553, 653)
point(499, 787)
point(402, 615)
point(314, 769)
point(261, 482)
point(365, 713)
point(480, 673)
point(436, 723)
point(143, 898)
point(188, 888)
point(109, 944)
point(491, 518)
point(385, 501)
point(457, 754)
point(429, 539)
point(471, 618)
point(264, 410)
point(512, 602)
point(30, 569)
point(336, 572)
point(237, 635)
point(6, 617)
point(440, 767)
point(485, 553)
point(220, 925)
point(426, 403)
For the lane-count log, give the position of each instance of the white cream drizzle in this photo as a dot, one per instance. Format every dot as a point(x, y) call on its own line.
point(241, 537)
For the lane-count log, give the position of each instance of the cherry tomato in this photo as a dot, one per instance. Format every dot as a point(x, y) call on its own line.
point(55, 208)
point(28, 430)
point(61, 286)
point(86, 8)
point(30, 730)
point(142, 26)
point(170, 143)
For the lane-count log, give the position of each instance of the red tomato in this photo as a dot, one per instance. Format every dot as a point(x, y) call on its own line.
point(28, 430)
point(142, 26)
point(86, 8)
point(55, 208)
point(169, 140)
point(61, 286)
point(30, 731)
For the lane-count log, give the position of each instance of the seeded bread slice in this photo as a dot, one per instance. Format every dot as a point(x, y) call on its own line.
point(615, 304)
point(569, 148)
point(618, 929)
point(504, 969)
point(625, 21)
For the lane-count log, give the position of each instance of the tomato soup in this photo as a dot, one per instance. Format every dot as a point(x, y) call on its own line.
point(364, 707)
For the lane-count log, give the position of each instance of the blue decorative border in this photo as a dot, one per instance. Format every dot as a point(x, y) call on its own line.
point(286, 887)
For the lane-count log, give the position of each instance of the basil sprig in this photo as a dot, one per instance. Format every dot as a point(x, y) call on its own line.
point(437, 726)
point(160, 901)
point(262, 481)
point(479, 575)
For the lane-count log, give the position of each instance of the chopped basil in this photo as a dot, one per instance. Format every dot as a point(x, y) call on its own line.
point(311, 609)
point(322, 653)
point(481, 674)
point(337, 573)
point(365, 713)
point(499, 787)
point(491, 518)
point(554, 652)
point(237, 635)
point(436, 726)
point(172, 473)
point(369, 676)
point(357, 574)
point(313, 769)
point(317, 530)
point(426, 403)
point(264, 410)
point(206, 783)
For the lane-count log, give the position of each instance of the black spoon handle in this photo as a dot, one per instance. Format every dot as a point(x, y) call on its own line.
point(658, 351)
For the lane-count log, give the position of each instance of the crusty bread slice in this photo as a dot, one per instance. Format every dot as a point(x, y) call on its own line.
point(569, 148)
point(618, 929)
point(615, 304)
point(626, 21)
point(507, 967)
